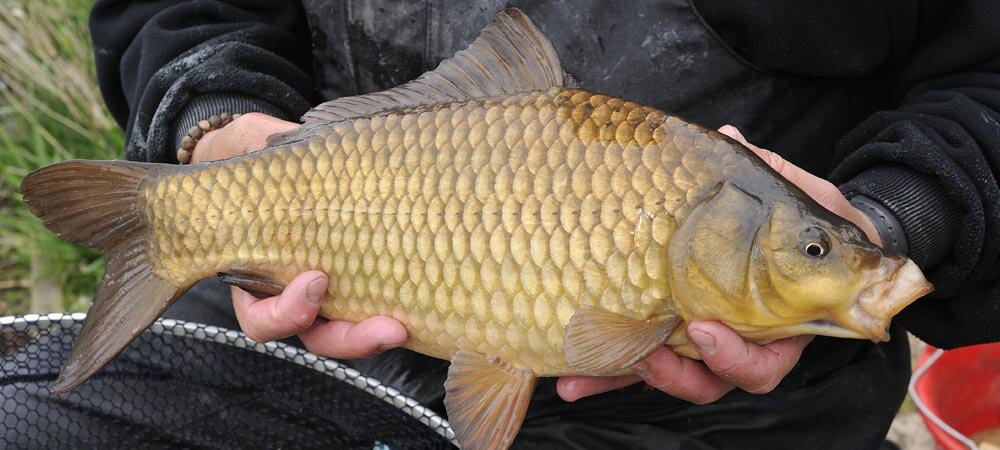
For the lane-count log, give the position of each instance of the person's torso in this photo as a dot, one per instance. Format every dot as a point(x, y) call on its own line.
point(660, 53)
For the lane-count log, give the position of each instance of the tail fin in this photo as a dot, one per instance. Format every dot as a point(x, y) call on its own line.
point(98, 204)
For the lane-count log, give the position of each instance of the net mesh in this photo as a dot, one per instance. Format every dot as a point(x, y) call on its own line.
point(188, 385)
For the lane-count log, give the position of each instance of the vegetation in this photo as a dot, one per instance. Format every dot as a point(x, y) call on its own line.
point(50, 110)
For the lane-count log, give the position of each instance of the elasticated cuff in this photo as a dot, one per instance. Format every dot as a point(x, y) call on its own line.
point(204, 106)
point(929, 218)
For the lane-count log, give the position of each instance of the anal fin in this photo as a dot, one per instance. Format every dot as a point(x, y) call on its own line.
point(599, 342)
point(258, 283)
point(486, 399)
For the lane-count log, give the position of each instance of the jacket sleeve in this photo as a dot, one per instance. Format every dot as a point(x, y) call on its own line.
point(163, 65)
point(934, 162)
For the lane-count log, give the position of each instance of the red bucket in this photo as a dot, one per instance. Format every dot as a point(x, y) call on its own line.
point(958, 389)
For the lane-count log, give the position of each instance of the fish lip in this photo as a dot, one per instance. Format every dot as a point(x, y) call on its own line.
point(881, 301)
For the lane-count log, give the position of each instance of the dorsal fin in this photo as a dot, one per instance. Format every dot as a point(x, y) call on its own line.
point(510, 56)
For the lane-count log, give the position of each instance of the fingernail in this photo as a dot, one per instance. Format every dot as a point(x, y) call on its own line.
point(704, 341)
point(642, 369)
point(315, 291)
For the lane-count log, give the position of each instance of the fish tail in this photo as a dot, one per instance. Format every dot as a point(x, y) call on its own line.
point(99, 204)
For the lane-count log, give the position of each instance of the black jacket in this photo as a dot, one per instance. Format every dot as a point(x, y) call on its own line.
point(896, 100)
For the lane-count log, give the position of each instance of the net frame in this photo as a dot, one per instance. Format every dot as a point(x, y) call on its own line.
point(34, 325)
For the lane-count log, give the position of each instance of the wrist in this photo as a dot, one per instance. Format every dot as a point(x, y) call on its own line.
point(881, 225)
point(185, 153)
point(204, 106)
point(927, 218)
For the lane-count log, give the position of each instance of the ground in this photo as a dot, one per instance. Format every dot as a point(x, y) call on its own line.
point(908, 430)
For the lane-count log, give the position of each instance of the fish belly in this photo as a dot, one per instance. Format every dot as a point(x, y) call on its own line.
point(481, 226)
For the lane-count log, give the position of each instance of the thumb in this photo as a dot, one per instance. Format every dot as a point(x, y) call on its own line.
point(754, 368)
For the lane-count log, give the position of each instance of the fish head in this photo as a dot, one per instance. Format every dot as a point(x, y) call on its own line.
point(824, 276)
point(772, 267)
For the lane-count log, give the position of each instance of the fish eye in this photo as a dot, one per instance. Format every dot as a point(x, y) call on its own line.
point(815, 250)
point(814, 242)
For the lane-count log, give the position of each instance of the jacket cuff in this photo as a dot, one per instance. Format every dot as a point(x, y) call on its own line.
point(889, 229)
point(204, 106)
point(928, 217)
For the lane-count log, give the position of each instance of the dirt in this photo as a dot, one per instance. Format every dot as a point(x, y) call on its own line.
point(908, 429)
point(986, 438)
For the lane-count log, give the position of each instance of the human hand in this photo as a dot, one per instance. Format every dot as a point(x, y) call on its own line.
point(823, 191)
point(295, 310)
point(728, 361)
point(245, 134)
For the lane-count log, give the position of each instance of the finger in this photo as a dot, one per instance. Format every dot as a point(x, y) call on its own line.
point(341, 339)
point(683, 378)
point(822, 191)
point(789, 171)
point(754, 368)
point(574, 388)
point(734, 133)
point(290, 313)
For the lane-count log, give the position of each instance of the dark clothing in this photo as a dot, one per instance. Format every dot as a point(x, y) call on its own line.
point(156, 58)
point(897, 101)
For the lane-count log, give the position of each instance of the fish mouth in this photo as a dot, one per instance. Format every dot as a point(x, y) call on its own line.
point(869, 317)
point(830, 328)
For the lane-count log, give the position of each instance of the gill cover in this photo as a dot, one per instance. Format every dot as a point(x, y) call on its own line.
point(712, 252)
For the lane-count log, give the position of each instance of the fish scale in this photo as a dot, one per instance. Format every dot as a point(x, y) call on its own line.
point(453, 220)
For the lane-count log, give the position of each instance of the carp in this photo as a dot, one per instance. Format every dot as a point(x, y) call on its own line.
point(517, 225)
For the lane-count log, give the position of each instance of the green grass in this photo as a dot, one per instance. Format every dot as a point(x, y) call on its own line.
point(50, 111)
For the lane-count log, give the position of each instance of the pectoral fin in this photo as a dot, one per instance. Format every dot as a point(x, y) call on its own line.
point(486, 398)
point(258, 283)
point(598, 342)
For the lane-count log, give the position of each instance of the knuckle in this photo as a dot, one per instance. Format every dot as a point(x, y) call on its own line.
point(731, 368)
point(662, 382)
point(341, 346)
point(777, 162)
point(253, 333)
point(727, 370)
point(826, 185)
point(300, 322)
point(274, 311)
